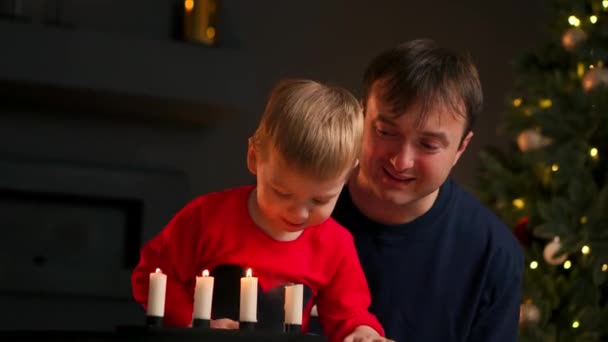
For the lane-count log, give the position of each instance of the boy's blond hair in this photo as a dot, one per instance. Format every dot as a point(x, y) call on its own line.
point(316, 128)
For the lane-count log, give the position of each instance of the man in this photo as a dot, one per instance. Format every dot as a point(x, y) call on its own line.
point(440, 266)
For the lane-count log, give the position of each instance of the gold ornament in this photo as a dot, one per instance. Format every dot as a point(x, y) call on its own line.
point(573, 37)
point(550, 249)
point(528, 314)
point(595, 77)
point(530, 140)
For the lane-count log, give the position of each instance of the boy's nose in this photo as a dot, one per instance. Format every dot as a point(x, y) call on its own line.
point(298, 214)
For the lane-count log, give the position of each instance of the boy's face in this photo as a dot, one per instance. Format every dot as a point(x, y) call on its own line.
point(404, 163)
point(289, 201)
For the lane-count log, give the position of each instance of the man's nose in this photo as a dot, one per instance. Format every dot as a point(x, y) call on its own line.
point(403, 158)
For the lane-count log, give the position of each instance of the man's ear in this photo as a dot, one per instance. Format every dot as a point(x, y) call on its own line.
point(463, 146)
point(252, 162)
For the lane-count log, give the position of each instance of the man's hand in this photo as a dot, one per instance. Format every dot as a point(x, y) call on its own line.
point(364, 333)
point(224, 323)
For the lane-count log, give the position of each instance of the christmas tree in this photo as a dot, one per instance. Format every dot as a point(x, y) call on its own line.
point(550, 184)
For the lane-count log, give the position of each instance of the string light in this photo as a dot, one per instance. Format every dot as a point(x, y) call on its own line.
point(593, 19)
point(586, 250)
point(580, 68)
point(593, 152)
point(604, 267)
point(517, 101)
point(554, 167)
point(534, 265)
point(576, 324)
point(545, 103)
point(519, 203)
point(605, 4)
point(567, 264)
point(584, 219)
point(574, 21)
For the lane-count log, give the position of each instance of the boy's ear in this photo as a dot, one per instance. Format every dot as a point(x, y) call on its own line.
point(251, 157)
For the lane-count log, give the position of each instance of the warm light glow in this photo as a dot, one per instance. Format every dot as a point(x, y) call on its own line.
point(517, 102)
point(188, 5)
point(593, 153)
point(574, 21)
point(585, 250)
point(591, 66)
point(576, 324)
point(567, 264)
point(605, 3)
point(580, 69)
point(584, 219)
point(593, 19)
point(248, 274)
point(534, 265)
point(545, 103)
point(604, 267)
point(519, 203)
point(158, 271)
point(554, 167)
point(210, 32)
point(205, 273)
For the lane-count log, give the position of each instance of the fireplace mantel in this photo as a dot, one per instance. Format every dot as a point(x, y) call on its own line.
point(53, 69)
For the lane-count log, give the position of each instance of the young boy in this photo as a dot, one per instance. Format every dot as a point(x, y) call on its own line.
point(305, 147)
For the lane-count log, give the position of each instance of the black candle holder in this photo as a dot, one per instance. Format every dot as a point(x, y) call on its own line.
point(154, 321)
point(247, 326)
point(200, 323)
point(292, 328)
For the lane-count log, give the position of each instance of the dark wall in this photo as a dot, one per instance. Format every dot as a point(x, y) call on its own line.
point(126, 47)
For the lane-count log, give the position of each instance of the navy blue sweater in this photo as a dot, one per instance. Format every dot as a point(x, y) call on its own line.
point(453, 274)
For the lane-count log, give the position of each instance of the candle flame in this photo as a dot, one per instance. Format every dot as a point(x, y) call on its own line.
point(249, 274)
point(158, 270)
point(205, 273)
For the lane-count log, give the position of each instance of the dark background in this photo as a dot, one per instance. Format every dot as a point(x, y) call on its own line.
point(109, 124)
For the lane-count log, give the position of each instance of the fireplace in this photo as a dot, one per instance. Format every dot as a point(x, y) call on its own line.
point(74, 230)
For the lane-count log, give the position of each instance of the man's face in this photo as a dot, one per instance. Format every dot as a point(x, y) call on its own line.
point(404, 162)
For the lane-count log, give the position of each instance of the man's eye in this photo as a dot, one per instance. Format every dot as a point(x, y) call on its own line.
point(383, 133)
point(429, 146)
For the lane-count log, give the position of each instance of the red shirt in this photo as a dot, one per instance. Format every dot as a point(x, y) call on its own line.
point(216, 229)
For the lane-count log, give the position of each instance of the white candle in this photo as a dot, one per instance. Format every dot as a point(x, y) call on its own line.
point(294, 298)
point(249, 298)
point(156, 294)
point(203, 296)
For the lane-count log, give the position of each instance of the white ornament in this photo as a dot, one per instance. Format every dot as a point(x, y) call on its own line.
point(550, 249)
point(528, 314)
point(572, 38)
point(530, 140)
point(595, 77)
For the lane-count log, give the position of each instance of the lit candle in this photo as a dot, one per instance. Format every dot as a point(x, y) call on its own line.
point(249, 298)
point(203, 296)
point(156, 297)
